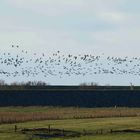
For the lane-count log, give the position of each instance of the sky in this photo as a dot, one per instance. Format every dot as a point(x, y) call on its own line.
point(73, 26)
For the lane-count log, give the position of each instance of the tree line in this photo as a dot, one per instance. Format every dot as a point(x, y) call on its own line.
point(22, 85)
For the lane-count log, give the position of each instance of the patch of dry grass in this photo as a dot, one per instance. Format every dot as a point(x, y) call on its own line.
point(23, 114)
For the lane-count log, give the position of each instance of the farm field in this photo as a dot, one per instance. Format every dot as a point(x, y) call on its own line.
point(26, 123)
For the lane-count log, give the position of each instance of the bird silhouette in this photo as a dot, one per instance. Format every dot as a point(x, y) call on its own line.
point(59, 65)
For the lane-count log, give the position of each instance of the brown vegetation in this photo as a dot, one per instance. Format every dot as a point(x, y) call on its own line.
point(66, 113)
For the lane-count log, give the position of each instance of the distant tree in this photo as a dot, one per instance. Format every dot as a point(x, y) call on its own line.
point(35, 83)
point(14, 84)
point(89, 85)
point(83, 84)
point(40, 83)
point(2, 83)
point(93, 84)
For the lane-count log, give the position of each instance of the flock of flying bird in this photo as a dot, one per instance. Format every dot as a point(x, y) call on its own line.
point(60, 65)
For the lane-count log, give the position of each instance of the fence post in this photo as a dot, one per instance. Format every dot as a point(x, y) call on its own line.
point(15, 128)
point(62, 132)
point(84, 131)
point(49, 128)
point(101, 131)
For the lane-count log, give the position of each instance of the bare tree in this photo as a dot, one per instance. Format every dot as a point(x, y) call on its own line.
point(2, 83)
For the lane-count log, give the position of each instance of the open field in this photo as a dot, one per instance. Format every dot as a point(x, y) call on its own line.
point(75, 129)
point(58, 123)
point(24, 114)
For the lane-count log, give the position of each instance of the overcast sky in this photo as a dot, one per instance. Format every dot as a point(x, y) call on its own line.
point(76, 26)
point(109, 26)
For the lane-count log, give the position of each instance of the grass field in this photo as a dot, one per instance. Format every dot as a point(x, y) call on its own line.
point(89, 129)
point(105, 125)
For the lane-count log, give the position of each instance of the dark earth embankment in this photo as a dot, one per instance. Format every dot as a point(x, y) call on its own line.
point(70, 97)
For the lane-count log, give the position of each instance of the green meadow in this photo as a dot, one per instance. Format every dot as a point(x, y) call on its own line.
point(87, 129)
